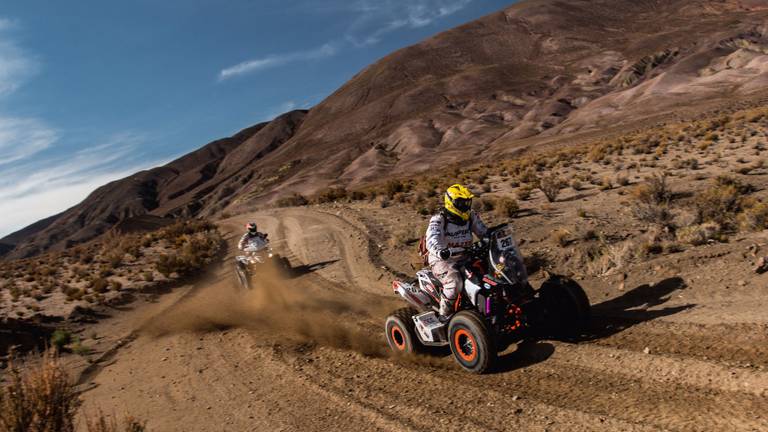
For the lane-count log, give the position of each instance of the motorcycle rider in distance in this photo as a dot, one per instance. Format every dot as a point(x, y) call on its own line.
point(449, 231)
point(251, 235)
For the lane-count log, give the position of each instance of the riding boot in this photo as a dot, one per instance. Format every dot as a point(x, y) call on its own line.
point(446, 309)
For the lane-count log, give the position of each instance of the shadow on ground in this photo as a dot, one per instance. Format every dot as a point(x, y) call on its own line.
point(299, 271)
point(608, 318)
point(632, 308)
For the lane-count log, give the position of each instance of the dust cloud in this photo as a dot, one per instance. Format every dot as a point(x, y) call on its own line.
point(282, 307)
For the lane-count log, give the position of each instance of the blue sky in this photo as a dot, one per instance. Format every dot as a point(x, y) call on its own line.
point(94, 90)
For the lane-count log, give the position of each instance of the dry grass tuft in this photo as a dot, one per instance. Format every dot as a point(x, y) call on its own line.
point(697, 235)
point(551, 186)
point(103, 423)
point(39, 397)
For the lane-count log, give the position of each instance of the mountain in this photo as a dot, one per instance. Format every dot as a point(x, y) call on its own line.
point(537, 71)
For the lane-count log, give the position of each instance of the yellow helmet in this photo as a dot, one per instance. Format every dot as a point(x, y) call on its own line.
point(458, 200)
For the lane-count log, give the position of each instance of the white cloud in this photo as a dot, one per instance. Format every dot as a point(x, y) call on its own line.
point(7, 24)
point(377, 18)
point(38, 178)
point(33, 190)
point(16, 66)
point(22, 138)
point(23, 210)
point(256, 65)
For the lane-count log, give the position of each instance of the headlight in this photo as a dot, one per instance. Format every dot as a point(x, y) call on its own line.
point(270, 255)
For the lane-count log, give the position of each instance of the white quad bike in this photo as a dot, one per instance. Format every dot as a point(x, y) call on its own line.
point(495, 308)
point(258, 253)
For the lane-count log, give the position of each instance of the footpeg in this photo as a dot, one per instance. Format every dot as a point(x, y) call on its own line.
point(431, 330)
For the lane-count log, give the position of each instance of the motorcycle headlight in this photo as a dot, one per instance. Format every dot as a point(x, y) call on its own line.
point(270, 255)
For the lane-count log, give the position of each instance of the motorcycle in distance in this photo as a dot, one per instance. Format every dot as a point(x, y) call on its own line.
point(495, 308)
point(258, 253)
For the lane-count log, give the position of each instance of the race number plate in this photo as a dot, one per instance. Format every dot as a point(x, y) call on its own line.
point(505, 242)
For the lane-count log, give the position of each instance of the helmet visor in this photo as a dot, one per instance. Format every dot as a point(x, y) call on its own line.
point(463, 204)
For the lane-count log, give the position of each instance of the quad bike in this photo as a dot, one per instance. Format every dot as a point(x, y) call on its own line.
point(495, 308)
point(258, 253)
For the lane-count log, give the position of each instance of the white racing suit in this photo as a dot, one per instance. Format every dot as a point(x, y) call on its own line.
point(246, 239)
point(443, 234)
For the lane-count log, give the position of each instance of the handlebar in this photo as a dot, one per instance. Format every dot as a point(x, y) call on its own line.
point(495, 228)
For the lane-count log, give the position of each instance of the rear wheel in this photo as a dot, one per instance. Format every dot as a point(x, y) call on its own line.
point(401, 331)
point(470, 342)
point(566, 304)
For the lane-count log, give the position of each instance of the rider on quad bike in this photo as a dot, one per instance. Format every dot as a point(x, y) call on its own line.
point(257, 251)
point(250, 236)
point(481, 292)
point(448, 233)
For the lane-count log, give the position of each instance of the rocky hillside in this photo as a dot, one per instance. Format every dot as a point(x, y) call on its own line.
point(538, 71)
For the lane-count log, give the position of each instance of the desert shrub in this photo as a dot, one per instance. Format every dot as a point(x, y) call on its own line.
point(690, 163)
point(86, 258)
point(506, 207)
point(331, 195)
point(524, 192)
point(484, 204)
point(560, 237)
point(551, 186)
point(195, 252)
point(650, 247)
point(755, 217)
point(529, 177)
point(103, 423)
point(99, 285)
point(740, 186)
point(672, 247)
point(394, 187)
point(15, 292)
point(148, 276)
point(38, 397)
point(46, 271)
point(576, 185)
point(115, 259)
point(74, 293)
point(699, 234)
point(719, 203)
point(168, 264)
point(294, 200)
point(650, 201)
point(606, 183)
point(653, 213)
point(622, 180)
point(78, 348)
point(60, 338)
point(609, 258)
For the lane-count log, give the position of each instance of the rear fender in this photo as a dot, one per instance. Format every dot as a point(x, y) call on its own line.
point(412, 294)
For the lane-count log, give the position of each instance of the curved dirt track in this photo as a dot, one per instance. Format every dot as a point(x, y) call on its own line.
point(306, 353)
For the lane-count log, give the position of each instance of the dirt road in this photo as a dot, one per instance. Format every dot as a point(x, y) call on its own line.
point(307, 353)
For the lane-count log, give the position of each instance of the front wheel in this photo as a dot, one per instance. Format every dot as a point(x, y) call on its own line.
point(566, 304)
point(401, 331)
point(242, 276)
point(470, 342)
